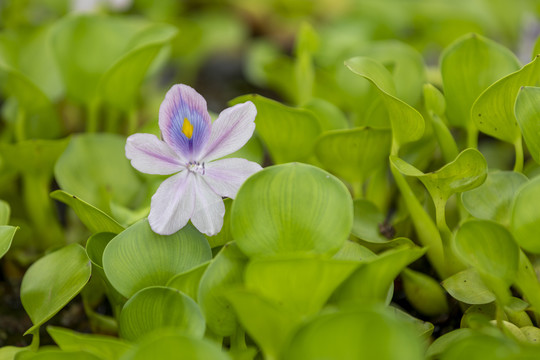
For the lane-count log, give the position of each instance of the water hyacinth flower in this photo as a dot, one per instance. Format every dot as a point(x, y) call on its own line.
point(190, 148)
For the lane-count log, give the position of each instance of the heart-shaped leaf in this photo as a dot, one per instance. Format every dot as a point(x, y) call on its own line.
point(288, 133)
point(302, 209)
point(527, 110)
point(52, 281)
point(353, 154)
point(159, 307)
point(138, 258)
point(467, 286)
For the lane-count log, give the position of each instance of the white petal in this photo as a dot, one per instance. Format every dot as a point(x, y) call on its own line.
point(231, 130)
point(227, 175)
point(209, 209)
point(150, 155)
point(172, 204)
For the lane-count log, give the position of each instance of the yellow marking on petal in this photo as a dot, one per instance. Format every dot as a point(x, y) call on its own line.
point(187, 128)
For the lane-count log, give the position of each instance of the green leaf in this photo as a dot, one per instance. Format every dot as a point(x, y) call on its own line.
point(119, 86)
point(446, 341)
point(188, 281)
point(370, 282)
point(288, 133)
point(468, 67)
point(158, 307)
point(93, 218)
point(367, 222)
point(479, 346)
point(52, 281)
point(6, 237)
point(526, 216)
point(53, 353)
point(33, 157)
point(104, 347)
point(467, 171)
point(138, 258)
point(94, 168)
point(225, 271)
point(493, 199)
point(224, 236)
point(434, 100)
point(407, 123)
point(493, 111)
point(302, 209)
point(424, 293)
point(5, 212)
point(167, 344)
point(285, 279)
point(354, 154)
point(352, 251)
point(489, 248)
point(329, 115)
point(361, 334)
point(467, 286)
point(527, 110)
point(95, 246)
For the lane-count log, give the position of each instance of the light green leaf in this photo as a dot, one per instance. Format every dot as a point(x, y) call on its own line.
point(467, 286)
point(361, 334)
point(104, 347)
point(188, 281)
point(354, 154)
point(367, 222)
point(329, 115)
point(94, 219)
point(526, 216)
point(288, 133)
point(5, 212)
point(443, 343)
point(32, 157)
point(424, 293)
point(53, 353)
point(493, 199)
point(94, 168)
point(302, 209)
point(493, 111)
point(285, 279)
point(490, 249)
point(468, 67)
point(52, 281)
point(138, 258)
point(527, 110)
point(6, 237)
point(167, 344)
point(352, 251)
point(225, 271)
point(434, 100)
point(407, 123)
point(159, 307)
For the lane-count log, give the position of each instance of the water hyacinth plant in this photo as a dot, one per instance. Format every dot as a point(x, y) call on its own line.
point(377, 201)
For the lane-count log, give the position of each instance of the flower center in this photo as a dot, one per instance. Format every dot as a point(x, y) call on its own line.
point(196, 167)
point(187, 128)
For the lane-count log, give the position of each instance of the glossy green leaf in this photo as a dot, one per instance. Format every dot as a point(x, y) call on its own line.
point(266, 323)
point(104, 347)
point(5, 212)
point(6, 237)
point(288, 133)
point(489, 248)
point(527, 110)
point(52, 281)
point(467, 171)
point(526, 216)
point(285, 279)
point(527, 282)
point(493, 111)
point(94, 168)
point(354, 154)
point(159, 307)
point(224, 272)
point(95, 246)
point(119, 86)
point(352, 251)
point(493, 199)
point(370, 282)
point(424, 293)
point(329, 115)
point(302, 209)
point(434, 100)
point(138, 257)
point(468, 67)
point(368, 221)
point(467, 286)
point(167, 344)
point(443, 343)
point(407, 123)
point(94, 219)
point(188, 281)
point(362, 334)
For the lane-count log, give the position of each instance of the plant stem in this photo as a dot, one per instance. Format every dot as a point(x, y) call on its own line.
point(132, 121)
point(238, 340)
point(518, 145)
point(472, 136)
point(92, 117)
point(20, 125)
point(34, 345)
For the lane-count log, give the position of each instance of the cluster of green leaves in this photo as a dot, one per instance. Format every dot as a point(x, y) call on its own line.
point(312, 248)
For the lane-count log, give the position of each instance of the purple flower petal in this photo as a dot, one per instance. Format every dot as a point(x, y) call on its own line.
point(150, 155)
point(227, 175)
point(182, 104)
point(231, 130)
point(209, 209)
point(172, 204)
